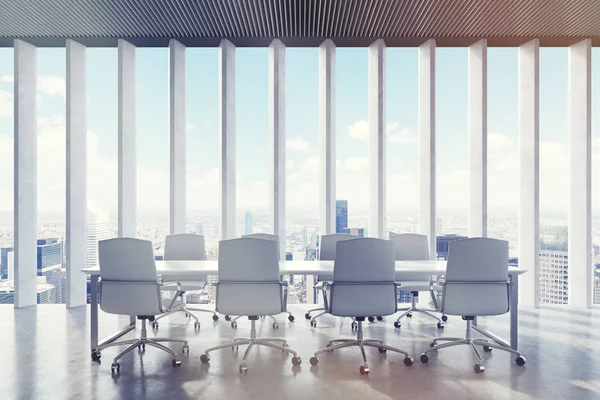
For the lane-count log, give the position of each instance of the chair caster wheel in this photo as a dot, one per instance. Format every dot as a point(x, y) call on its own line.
point(382, 350)
point(291, 318)
point(215, 317)
point(440, 325)
point(313, 323)
point(204, 358)
point(175, 362)
point(432, 344)
point(424, 358)
point(155, 325)
point(371, 319)
point(296, 360)
point(314, 361)
point(115, 368)
point(479, 368)
point(96, 355)
point(408, 361)
point(142, 347)
point(275, 325)
point(487, 349)
point(234, 325)
point(520, 361)
point(364, 369)
point(243, 368)
point(197, 325)
point(397, 325)
point(185, 349)
point(307, 316)
point(354, 326)
point(409, 315)
point(444, 318)
point(227, 318)
point(379, 318)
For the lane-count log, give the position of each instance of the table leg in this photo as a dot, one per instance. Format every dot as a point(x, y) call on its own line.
point(94, 312)
point(514, 312)
point(514, 318)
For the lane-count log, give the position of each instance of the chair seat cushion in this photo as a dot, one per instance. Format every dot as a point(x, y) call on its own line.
point(249, 299)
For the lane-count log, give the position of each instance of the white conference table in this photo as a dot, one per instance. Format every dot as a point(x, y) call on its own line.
point(171, 271)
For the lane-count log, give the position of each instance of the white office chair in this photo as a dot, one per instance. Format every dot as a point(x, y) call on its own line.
point(476, 285)
point(412, 246)
point(250, 285)
point(129, 286)
point(186, 246)
point(274, 238)
point(327, 252)
point(363, 284)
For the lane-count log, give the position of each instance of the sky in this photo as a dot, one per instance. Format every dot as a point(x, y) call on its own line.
point(351, 113)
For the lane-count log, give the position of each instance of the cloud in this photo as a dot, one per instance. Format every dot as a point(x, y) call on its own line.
point(297, 144)
point(396, 134)
point(52, 85)
point(7, 78)
point(499, 142)
point(189, 126)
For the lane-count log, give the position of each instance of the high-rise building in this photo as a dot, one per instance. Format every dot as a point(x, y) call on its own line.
point(4, 262)
point(49, 255)
point(341, 215)
point(199, 228)
point(46, 293)
point(11, 265)
point(97, 228)
point(442, 243)
point(248, 223)
point(305, 238)
point(554, 265)
point(597, 284)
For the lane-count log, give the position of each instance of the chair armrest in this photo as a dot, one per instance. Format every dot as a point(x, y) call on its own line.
point(170, 284)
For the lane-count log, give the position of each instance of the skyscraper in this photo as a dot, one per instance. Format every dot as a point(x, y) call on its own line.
point(199, 228)
point(49, 255)
point(305, 238)
point(248, 223)
point(341, 215)
point(554, 265)
point(97, 228)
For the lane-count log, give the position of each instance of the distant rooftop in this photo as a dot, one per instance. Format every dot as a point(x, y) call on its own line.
point(299, 22)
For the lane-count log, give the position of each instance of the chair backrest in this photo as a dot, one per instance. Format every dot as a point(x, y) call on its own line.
point(477, 278)
point(477, 260)
point(410, 246)
point(129, 283)
point(248, 259)
point(329, 243)
point(249, 279)
point(184, 246)
point(364, 260)
point(265, 236)
point(363, 278)
point(126, 259)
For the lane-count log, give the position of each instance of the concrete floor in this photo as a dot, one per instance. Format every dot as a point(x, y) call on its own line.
point(45, 355)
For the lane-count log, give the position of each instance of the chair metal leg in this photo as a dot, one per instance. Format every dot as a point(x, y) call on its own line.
point(472, 343)
point(168, 340)
point(162, 347)
point(361, 343)
point(445, 339)
point(316, 309)
point(253, 340)
point(127, 350)
point(122, 343)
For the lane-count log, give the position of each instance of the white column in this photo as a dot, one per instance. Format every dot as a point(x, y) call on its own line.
point(327, 152)
point(478, 138)
point(529, 154)
point(580, 204)
point(377, 139)
point(25, 174)
point(427, 214)
point(177, 132)
point(127, 147)
point(76, 182)
point(277, 140)
point(227, 138)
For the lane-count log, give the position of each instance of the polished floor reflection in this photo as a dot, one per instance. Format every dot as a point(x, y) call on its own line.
point(45, 355)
